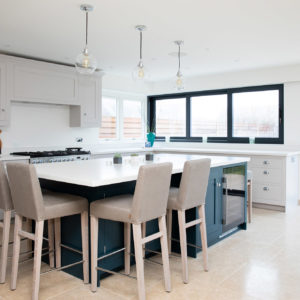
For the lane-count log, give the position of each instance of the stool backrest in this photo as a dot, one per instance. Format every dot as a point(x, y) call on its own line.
point(26, 191)
point(5, 195)
point(193, 184)
point(151, 192)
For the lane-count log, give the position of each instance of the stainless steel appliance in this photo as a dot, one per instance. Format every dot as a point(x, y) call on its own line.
point(69, 154)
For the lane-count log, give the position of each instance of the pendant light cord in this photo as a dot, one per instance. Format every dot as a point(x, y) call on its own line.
point(86, 28)
point(141, 44)
point(179, 64)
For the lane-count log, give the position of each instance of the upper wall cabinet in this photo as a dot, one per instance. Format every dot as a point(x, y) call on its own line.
point(28, 80)
point(88, 113)
point(3, 106)
point(35, 81)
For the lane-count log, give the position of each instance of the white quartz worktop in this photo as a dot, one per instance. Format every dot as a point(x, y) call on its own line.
point(99, 172)
point(8, 157)
point(229, 151)
point(199, 151)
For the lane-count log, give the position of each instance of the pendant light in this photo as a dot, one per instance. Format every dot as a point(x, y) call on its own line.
point(140, 72)
point(179, 82)
point(85, 62)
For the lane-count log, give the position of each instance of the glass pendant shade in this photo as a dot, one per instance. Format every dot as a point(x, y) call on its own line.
point(140, 73)
point(179, 82)
point(85, 63)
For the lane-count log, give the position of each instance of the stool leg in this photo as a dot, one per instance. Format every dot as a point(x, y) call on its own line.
point(94, 252)
point(38, 242)
point(29, 229)
point(16, 252)
point(249, 190)
point(201, 211)
point(5, 242)
point(127, 240)
point(144, 228)
point(169, 229)
point(183, 245)
point(57, 230)
point(85, 245)
point(138, 247)
point(165, 252)
point(51, 242)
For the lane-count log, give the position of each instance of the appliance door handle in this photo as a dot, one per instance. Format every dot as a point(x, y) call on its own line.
point(225, 201)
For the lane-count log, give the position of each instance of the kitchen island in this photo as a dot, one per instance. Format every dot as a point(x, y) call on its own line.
point(99, 178)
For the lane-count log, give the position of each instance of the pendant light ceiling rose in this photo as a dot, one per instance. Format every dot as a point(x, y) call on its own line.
point(141, 27)
point(86, 7)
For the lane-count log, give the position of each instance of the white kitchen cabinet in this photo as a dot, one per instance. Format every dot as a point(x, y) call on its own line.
point(36, 81)
point(88, 113)
point(3, 98)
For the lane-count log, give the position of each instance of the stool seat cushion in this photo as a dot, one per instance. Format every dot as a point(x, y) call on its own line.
point(173, 202)
point(116, 208)
point(59, 205)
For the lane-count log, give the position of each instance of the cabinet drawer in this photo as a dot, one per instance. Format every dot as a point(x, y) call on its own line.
point(271, 193)
point(265, 162)
point(261, 175)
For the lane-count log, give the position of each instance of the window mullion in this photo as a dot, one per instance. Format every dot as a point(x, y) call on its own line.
point(188, 117)
point(229, 116)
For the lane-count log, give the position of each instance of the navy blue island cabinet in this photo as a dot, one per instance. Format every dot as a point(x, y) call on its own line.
point(111, 233)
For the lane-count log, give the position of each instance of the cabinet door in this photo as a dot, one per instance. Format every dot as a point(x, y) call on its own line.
point(33, 81)
point(3, 108)
point(90, 97)
point(213, 205)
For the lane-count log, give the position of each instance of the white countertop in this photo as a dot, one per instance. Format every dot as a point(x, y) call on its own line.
point(99, 172)
point(7, 157)
point(229, 151)
point(199, 151)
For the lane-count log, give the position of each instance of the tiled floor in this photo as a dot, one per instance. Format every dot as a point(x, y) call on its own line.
point(260, 263)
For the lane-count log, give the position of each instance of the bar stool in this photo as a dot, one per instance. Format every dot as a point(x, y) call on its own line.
point(7, 207)
point(29, 202)
point(249, 190)
point(190, 194)
point(148, 202)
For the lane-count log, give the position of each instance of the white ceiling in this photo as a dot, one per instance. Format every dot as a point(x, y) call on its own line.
point(219, 35)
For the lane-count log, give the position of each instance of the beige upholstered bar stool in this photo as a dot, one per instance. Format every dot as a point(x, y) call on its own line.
point(7, 206)
point(190, 194)
point(148, 202)
point(29, 202)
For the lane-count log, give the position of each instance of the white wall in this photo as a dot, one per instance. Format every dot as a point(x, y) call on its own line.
point(289, 75)
point(47, 126)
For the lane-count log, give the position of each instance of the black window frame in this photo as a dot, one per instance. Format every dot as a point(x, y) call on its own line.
point(151, 104)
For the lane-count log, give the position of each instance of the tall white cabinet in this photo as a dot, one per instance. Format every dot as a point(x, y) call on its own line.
point(33, 81)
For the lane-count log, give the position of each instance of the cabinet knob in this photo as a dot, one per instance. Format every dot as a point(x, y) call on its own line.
point(266, 172)
point(266, 162)
point(84, 114)
point(3, 109)
point(266, 188)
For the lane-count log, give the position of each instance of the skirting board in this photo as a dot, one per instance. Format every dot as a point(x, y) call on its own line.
point(269, 206)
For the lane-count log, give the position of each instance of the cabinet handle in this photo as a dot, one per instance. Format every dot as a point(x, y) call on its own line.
point(84, 114)
point(3, 109)
point(266, 188)
point(266, 172)
point(266, 162)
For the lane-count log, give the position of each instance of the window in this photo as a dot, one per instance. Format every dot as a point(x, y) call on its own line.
point(108, 128)
point(122, 117)
point(226, 116)
point(132, 119)
point(171, 117)
point(255, 114)
point(209, 116)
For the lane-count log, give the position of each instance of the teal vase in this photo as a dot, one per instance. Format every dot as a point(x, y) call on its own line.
point(151, 138)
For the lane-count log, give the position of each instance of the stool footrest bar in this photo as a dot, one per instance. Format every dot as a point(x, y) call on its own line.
point(71, 249)
point(112, 253)
point(114, 273)
point(64, 267)
point(189, 244)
